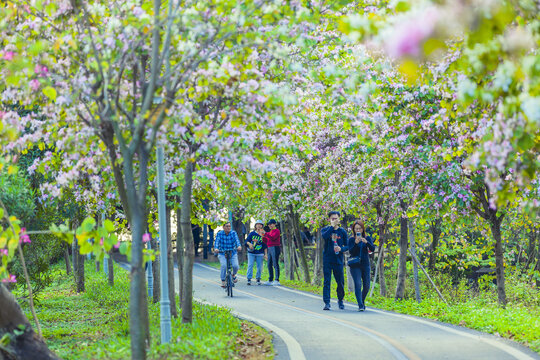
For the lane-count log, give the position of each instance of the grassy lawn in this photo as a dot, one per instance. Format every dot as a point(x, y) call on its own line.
point(520, 321)
point(95, 324)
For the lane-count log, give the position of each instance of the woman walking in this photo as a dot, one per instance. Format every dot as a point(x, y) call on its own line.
point(272, 240)
point(359, 244)
point(256, 251)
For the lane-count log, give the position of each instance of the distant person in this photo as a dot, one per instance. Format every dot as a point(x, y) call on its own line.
point(359, 247)
point(335, 244)
point(227, 240)
point(257, 251)
point(273, 240)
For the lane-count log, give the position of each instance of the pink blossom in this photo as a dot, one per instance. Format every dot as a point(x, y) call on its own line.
point(146, 238)
point(9, 55)
point(34, 84)
point(4, 252)
point(41, 70)
point(101, 242)
point(10, 279)
point(407, 37)
point(23, 237)
point(117, 245)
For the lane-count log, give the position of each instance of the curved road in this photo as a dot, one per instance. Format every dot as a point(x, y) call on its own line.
point(305, 331)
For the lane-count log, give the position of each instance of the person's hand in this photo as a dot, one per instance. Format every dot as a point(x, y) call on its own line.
point(357, 240)
point(337, 249)
point(216, 250)
point(250, 245)
point(265, 257)
point(239, 248)
point(364, 240)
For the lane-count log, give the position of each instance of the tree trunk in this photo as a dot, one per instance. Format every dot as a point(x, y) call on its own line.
point(402, 266)
point(415, 265)
point(187, 287)
point(179, 253)
point(172, 288)
point(435, 229)
point(74, 257)
point(80, 272)
point(531, 250)
point(156, 274)
point(382, 281)
point(110, 267)
point(26, 345)
point(66, 259)
point(317, 268)
point(291, 250)
point(537, 267)
point(499, 260)
point(303, 259)
point(285, 246)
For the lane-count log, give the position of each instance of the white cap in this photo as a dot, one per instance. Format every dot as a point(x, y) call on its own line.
point(259, 222)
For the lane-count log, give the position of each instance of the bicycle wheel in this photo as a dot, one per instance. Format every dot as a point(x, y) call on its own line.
point(229, 285)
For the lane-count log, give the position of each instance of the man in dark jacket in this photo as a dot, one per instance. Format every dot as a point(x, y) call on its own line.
point(334, 245)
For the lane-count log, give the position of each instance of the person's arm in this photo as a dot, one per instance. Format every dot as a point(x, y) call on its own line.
point(353, 247)
point(370, 244)
point(217, 242)
point(238, 245)
point(249, 240)
point(326, 232)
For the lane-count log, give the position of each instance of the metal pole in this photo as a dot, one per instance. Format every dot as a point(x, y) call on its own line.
point(150, 275)
point(165, 305)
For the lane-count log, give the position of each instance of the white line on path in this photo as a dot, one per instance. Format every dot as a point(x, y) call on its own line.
point(293, 347)
point(518, 354)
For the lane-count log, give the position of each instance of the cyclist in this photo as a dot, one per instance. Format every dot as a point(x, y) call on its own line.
point(227, 240)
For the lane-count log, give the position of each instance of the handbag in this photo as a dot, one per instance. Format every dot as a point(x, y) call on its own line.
point(354, 261)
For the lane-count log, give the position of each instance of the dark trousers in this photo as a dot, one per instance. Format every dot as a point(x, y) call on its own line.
point(273, 262)
point(360, 276)
point(337, 269)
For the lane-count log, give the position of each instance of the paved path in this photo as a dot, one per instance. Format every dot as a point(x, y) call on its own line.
point(305, 331)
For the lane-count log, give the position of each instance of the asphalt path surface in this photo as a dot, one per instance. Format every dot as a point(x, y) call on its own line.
point(302, 330)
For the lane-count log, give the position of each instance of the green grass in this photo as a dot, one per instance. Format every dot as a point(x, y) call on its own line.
point(519, 321)
point(95, 324)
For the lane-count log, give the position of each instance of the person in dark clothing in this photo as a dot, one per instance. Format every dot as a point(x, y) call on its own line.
point(256, 251)
point(359, 245)
point(334, 245)
point(196, 232)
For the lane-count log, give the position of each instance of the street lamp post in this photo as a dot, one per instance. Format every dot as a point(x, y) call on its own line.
point(165, 304)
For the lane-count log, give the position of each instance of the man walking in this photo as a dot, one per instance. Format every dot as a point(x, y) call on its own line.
point(334, 245)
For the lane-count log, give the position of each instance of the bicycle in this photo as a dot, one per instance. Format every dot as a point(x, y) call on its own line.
point(229, 282)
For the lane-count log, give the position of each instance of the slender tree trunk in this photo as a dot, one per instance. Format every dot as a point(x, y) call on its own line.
point(179, 253)
point(80, 272)
point(74, 256)
point(531, 250)
point(291, 250)
point(25, 344)
point(317, 268)
point(415, 265)
point(172, 288)
point(66, 259)
point(382, 281)
point(189, 257)
point(303, 259)
point(435, 229)
point(499, 260)
point(537, 267)
point(285, 246)
point(110, 266)
point(402, 267)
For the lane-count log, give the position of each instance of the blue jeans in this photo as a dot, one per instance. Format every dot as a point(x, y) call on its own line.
point(223, 262)
point(361, 276)
point(337, 269)
point(251, 260)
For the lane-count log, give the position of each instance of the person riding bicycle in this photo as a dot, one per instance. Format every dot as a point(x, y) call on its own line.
point(227, 240)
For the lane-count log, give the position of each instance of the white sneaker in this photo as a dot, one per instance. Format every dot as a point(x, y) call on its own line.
point(269, 283)
point(276, 283)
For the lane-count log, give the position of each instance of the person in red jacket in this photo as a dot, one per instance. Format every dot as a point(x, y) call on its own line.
point(273, 241)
